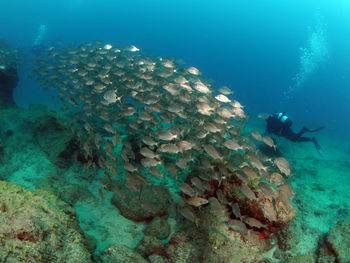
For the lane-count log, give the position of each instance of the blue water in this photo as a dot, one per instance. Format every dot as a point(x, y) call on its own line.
point(255, 47)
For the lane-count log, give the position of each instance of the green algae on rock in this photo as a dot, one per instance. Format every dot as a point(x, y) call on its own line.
point(35, 226)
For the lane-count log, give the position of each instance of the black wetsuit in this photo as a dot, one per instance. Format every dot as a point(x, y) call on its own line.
point(280, 125)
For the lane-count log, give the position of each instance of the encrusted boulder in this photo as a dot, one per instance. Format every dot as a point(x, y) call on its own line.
point(120, 254)
point(54, 138)
point(212, 241)
point(133, 208)
point(304, 258)
point(38, 227)
point(290, 236)
point(149, 245)
point(180, 249)
point(158, 227)
point(67, 191)
point(1, 148)
point(337, 244)
point(157, 259)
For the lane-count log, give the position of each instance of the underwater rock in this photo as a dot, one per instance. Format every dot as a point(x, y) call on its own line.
point(8, 133)
point(91, 243)
point(120, 254)
point(8, 82)
point(293, 239)
point(212, 241)
point(289, 237)
point(66, 191)
point(159, 227)
point(1, 148)
point(131, 208)
point(181, 250)
point(54, 138)
point(337, 243)
point(224, 245)
point(38, 227)
point(305, 258)
point(72, 193)
point(325, 255)
point(150, 245)
point(266, 207)
point(157, 259)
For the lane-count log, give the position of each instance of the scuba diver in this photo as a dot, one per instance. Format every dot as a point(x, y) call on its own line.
point(280, 125)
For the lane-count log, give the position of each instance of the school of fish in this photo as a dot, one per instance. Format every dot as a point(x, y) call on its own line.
point(138, 116)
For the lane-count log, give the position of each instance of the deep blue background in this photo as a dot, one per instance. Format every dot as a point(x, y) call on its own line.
point(252, 46)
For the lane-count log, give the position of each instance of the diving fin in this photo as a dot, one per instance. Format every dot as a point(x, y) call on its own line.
point(318, 148)
point(323, 154)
